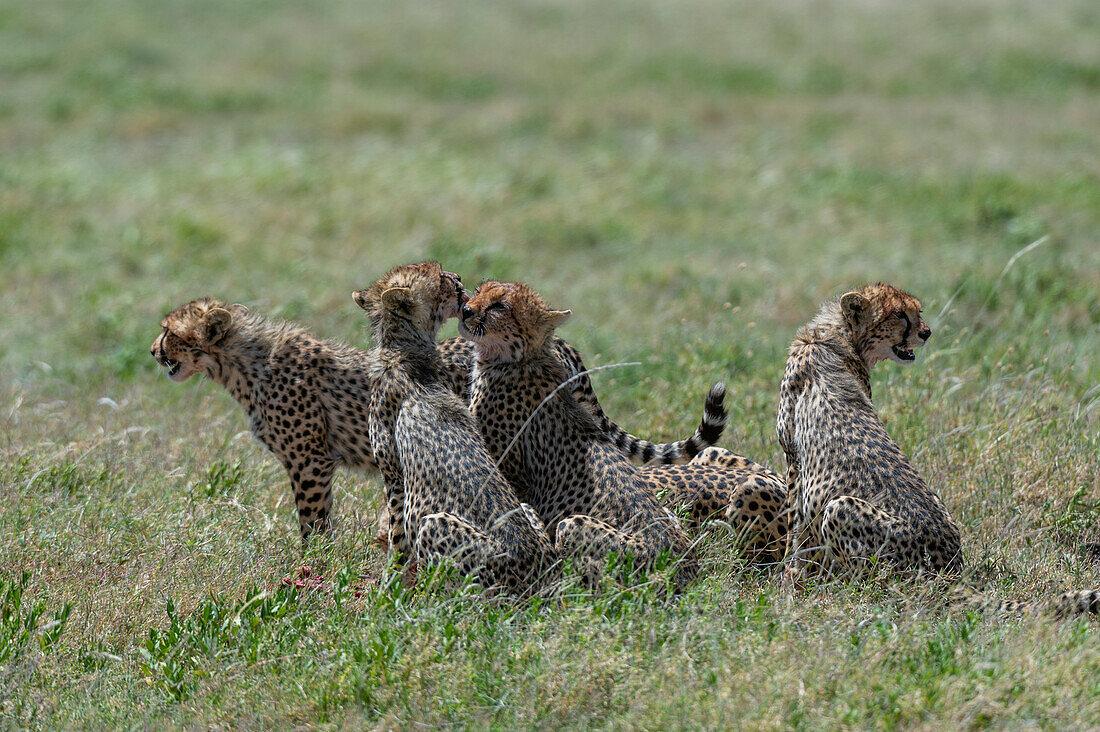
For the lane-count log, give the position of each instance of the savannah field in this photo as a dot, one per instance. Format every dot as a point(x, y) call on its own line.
point(692, 179)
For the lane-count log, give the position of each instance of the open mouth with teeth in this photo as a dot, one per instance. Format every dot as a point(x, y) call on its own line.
point(172, 366)
point(904, 354)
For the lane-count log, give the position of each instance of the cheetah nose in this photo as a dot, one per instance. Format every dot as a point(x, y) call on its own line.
point(467, 311)
point(925, 334)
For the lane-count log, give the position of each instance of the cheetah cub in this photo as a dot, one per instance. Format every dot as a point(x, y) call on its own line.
point(306, 398)
point(588, 494)
point(852, 490)
point(445, 496)
point(716, 484)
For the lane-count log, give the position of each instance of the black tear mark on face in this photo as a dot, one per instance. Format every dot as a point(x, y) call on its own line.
point(901, 350)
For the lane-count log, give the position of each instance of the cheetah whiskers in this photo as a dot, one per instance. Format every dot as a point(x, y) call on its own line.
point(550, 396)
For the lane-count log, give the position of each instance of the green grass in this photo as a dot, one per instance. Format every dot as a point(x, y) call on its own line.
point(692, 180)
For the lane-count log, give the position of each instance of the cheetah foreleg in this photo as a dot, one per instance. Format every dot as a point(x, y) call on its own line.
point(311, 479)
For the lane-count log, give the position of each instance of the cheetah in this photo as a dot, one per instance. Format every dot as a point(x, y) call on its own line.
point(591, 498)
point(306, 398)
point(445, 495)
point(851, 489)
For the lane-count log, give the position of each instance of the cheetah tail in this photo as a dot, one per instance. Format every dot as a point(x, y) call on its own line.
point(644, 452)
point(1077, 602)
point(1066, 605)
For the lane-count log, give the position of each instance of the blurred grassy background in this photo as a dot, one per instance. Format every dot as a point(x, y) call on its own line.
point(691, 179)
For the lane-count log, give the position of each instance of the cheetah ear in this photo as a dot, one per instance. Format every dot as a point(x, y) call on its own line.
point(557, 317)
point(360, 297)
point(854, 307)
point(395, 297)
point(214, 325)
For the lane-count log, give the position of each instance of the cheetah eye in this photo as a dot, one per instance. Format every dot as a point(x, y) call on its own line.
point(496, 306)
point(900, 314)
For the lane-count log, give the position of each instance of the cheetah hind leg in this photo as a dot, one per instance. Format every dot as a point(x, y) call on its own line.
point(757, 509)
point(588, 541)
point(444, 537)
point(758, 512)
point(855, 530)
point(547, 570)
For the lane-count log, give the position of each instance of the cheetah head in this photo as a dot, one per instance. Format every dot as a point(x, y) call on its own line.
point(190, 333)
point(423, 296)
point(884, 323)
point(508, 320)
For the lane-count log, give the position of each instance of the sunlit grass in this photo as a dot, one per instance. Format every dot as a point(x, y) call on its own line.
point(692, 180)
